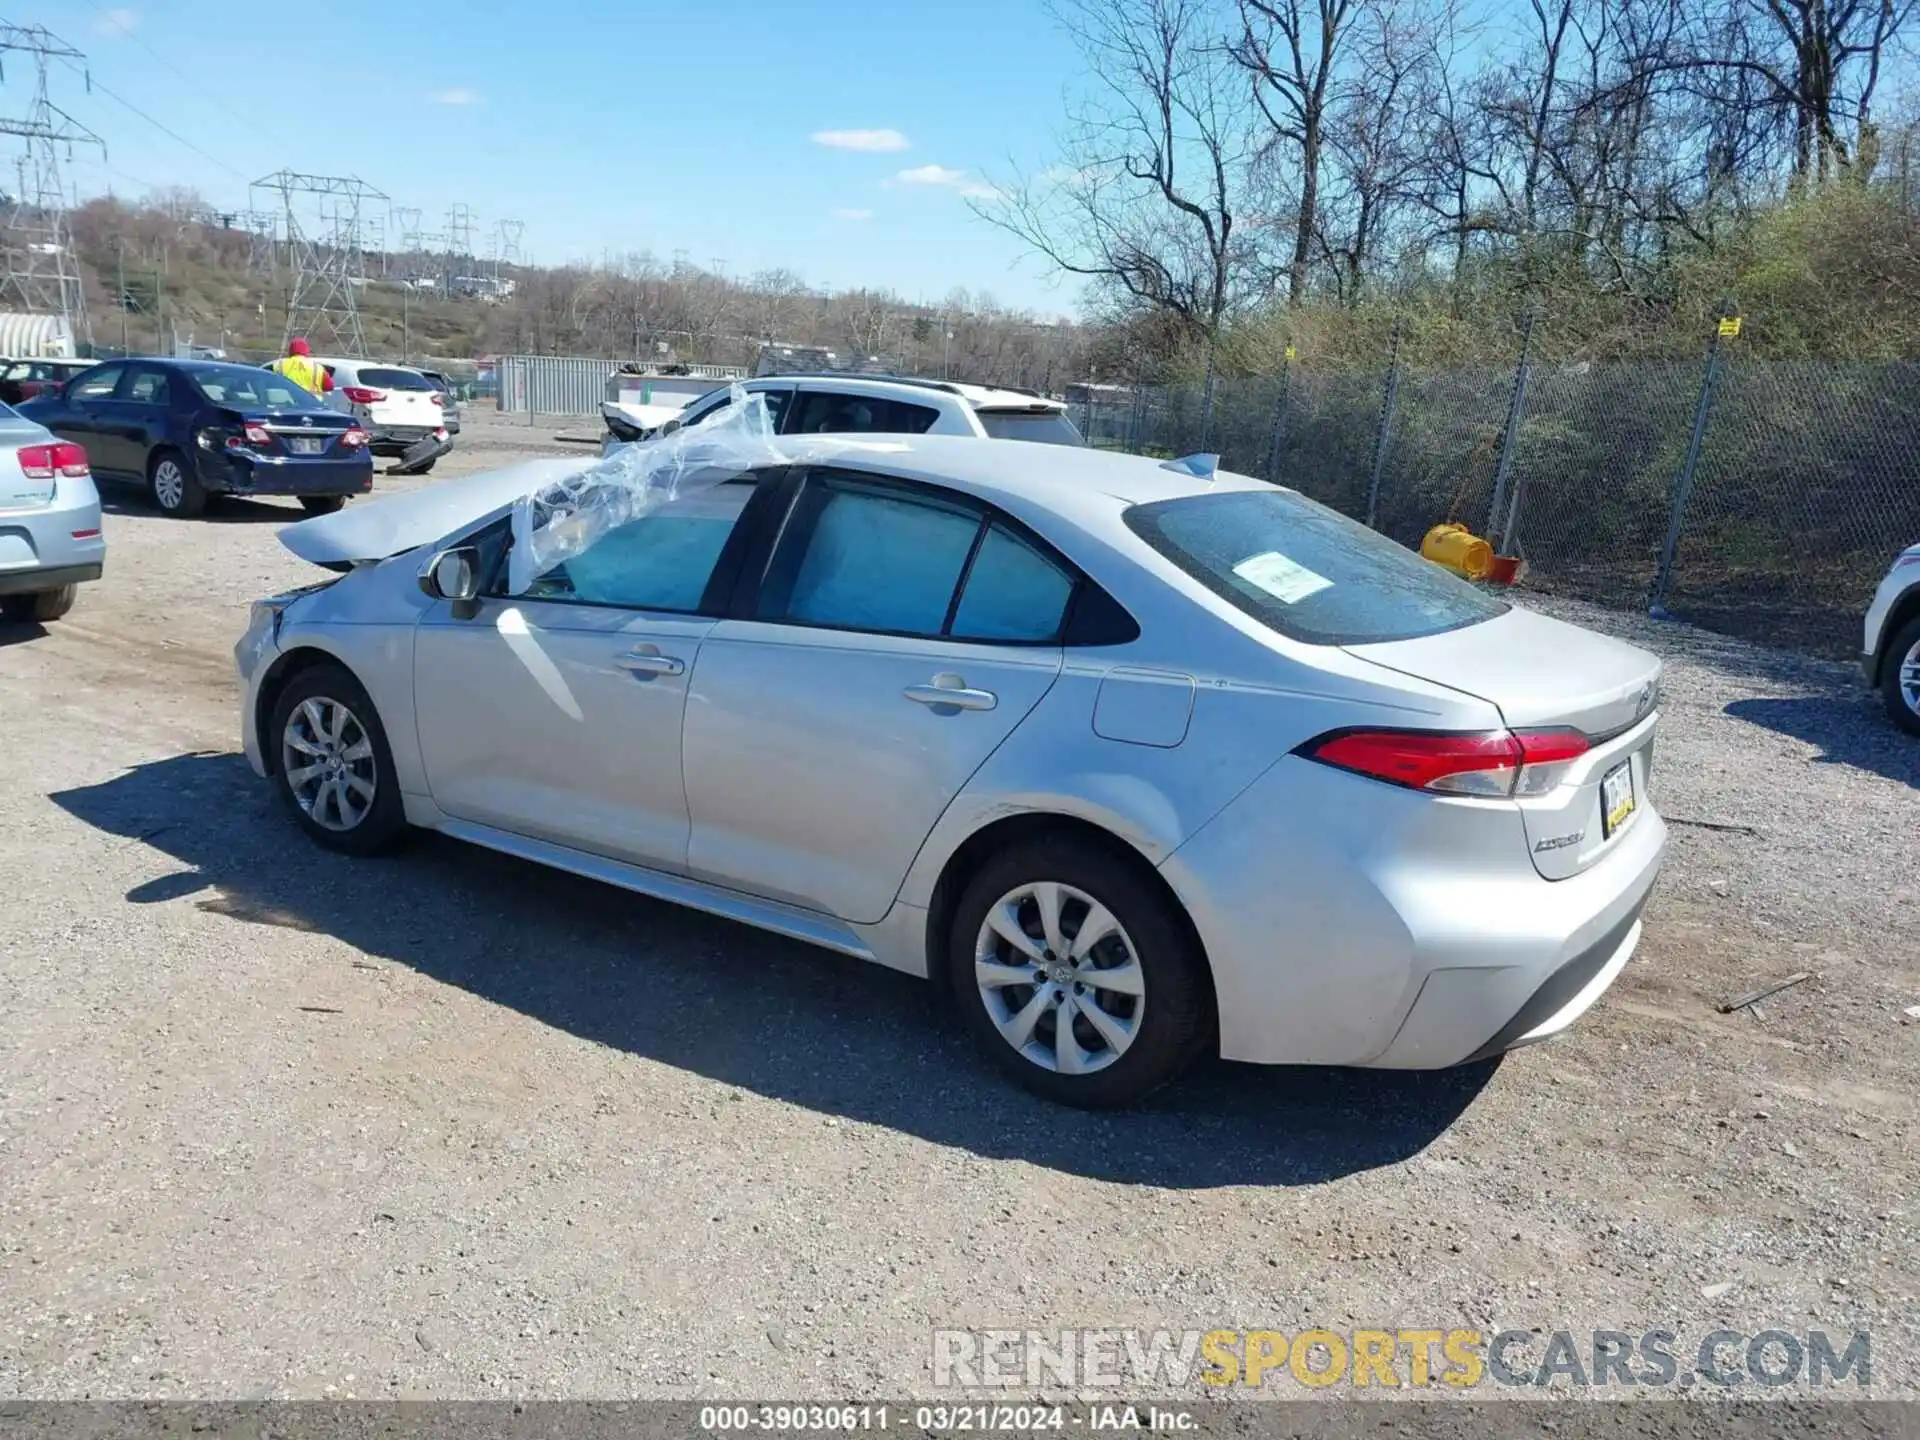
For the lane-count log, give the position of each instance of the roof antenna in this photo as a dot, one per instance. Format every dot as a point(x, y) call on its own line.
point(1201, 467)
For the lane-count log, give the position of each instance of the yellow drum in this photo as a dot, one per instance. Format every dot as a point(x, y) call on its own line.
point(1460, 550)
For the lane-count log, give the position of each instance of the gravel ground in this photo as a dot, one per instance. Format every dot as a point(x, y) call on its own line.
point(278, 1124)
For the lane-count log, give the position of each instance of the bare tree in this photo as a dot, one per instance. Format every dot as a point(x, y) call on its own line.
point(1291, 48)
point(1147, 199)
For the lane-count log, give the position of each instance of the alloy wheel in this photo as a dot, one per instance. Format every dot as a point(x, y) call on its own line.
point(1910, 678)
point(169, 484)
point(1060, 979)
point(327, 757)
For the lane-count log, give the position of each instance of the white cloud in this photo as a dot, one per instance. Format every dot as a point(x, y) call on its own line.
point(873, 141)
point(849, 214)
point(457, 95)
point(974, 190)
point(115, 23)
point(931, 175)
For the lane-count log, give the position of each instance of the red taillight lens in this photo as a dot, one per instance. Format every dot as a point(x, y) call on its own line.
point(1494, 763)
point(438, 399)
point(361, 395)
point(353, 439)
point(63, 457)
point(258, 435)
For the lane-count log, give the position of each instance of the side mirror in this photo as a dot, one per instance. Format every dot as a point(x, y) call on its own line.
point(453, 575)
point(669, 427)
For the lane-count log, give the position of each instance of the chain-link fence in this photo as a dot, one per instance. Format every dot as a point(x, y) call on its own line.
point(1761, 498)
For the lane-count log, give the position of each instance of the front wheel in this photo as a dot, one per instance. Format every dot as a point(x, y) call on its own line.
point(321, 504)
point(333, 765)
point(1077, 973)
point(175, 489)
point(41, 605)
point(1900, 680)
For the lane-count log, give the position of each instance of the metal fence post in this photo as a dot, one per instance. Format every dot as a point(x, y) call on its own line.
point(1509, 443)
point(1728, 327)
point(1278, 430)
point(1387, 403)
point(1206, 402)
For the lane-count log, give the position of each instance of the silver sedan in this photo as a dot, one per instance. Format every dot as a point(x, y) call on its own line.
point(50, 540)
point(1137, 761)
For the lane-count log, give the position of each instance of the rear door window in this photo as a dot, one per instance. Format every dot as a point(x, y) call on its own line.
point(825, 412)
point(1013, 592)
point(148, 387)
point(1306, 571)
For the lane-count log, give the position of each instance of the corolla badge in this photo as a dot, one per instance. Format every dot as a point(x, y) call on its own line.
point(1645, 703)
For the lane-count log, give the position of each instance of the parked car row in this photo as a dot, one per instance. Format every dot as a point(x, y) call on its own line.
point(862, 404)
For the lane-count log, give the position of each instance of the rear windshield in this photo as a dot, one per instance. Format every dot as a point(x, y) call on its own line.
point(1307, 571)
point(1051, 427)
point(395, 379)
point(243, 386)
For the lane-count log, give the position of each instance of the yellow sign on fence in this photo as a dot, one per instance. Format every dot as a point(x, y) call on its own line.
point(1729, 326)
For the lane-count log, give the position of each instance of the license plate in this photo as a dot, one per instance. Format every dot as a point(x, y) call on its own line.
point(1616, 798)
point(308, 444)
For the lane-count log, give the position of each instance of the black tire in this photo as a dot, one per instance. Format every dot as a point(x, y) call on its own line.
point(1174, 1022)
point(384, 824)
point(1902, 644)
point(178, 492)
point(321, 504)
point(40, 605)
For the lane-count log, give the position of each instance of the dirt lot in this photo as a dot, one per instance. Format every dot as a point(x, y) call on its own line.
point(275, 1123)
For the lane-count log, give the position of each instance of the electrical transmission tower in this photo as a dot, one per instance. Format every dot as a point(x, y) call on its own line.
point(460, 223)
point(506, 245)
point(41, 274)
point(324, 254)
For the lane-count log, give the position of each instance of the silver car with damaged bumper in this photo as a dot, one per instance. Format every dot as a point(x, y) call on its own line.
point(50, 540)
point(1135, 763)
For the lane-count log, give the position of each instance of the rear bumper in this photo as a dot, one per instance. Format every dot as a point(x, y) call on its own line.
point(28, 582)
point(1349, 923)
point(397, 439)
point(242, 474)
point(39, 549)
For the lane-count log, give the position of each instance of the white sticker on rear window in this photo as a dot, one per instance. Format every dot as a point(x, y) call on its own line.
point(1280, 577)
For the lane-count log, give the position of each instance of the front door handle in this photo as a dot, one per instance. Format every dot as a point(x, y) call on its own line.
point(647, 660)
point(950, 690)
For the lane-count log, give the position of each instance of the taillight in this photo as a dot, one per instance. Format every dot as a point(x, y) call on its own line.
point(258, 435)
point(353, 439)
point(361, 395)
point(1493, 763)
point(438, 399)
point(63, 457)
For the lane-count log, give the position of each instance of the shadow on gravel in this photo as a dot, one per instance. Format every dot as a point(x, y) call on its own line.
point(1850, 729)
point(221, 509)
point(781, 1019)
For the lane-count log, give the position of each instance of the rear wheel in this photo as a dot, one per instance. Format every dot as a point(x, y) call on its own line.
point(1900, 677)
point(321, 504)
point(1077, 973)
point(175, 489)
point(41, 605)
point(333, 765)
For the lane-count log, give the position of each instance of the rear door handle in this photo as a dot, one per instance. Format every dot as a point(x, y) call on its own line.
point(647, 660)
point(950, 689)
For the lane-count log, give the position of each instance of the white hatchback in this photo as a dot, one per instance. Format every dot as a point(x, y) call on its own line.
point(398, 405)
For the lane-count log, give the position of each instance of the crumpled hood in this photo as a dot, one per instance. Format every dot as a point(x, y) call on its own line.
point(376, 529)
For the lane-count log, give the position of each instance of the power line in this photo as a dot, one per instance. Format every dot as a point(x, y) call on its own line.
point(94, 84)
point(201, 92)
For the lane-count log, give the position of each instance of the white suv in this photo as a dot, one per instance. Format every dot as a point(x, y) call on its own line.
point(857, 404)
point(1890, 652)
point(400, 407)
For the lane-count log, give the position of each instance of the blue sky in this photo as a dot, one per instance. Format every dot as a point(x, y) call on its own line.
point(607, 127)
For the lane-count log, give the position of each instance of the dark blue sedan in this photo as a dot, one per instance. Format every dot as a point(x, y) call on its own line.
point(187, 429)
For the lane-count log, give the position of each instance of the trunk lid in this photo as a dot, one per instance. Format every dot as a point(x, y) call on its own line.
point(1542, 673)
